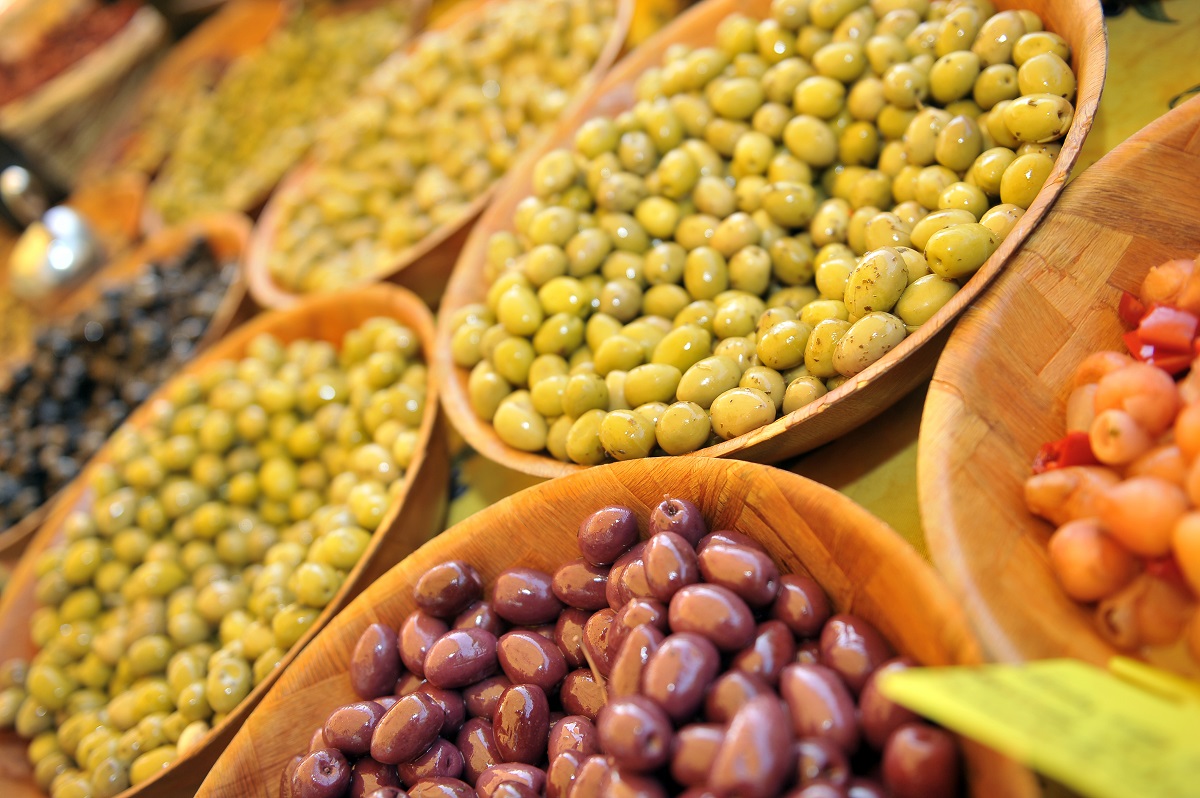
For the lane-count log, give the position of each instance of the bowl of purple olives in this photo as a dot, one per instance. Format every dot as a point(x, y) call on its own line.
point(695, 628)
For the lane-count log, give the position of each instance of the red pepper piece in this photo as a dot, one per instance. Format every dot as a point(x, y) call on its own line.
point(1171, 361)
point(1073, 449)
point(1131, 309)
point(1168, 328)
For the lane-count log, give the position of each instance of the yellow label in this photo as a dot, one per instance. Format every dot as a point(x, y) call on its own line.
point(1080, 725)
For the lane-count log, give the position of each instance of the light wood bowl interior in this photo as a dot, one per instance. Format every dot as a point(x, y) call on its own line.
point(863, 565)
point(861, 398)
point(425, 267)
point(414, 516)
point(1000, 389)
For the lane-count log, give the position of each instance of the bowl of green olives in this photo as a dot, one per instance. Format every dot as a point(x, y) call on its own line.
point(759, 232)
point(808, 537)
point(392, 189)
point(216, 532)
point(209, 303)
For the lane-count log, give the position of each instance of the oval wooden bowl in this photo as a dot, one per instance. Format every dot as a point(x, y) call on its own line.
point(425, 267)
point(863, 565)
point(413, 517)
point(861, 398)
point(226, 233)
point(1000, 389)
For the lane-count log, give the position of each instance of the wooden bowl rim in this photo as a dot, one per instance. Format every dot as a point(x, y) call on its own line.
point(728, 481)
point(270, 294)
point(236, 228)
point(468, 272)
point(406, 308)
point(954, 406)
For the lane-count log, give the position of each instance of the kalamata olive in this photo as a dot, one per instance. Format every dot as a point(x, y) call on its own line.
point(525, 596)
point(693, 751)
point(289, 770)
point(606, 534)
point(637, 611)
point(532, 777)
point(801, 604)
point(380, 792)
point(417, 634)
point(349, 728)
point(878, 715)
point(773, 648)
point(561, 773)
point(670, 563)
point(624, 783)
point(581, 694)
point(854, 648)
point(595, 640)
point(714, 612)
point(529, 658)
point(818, 789)
point(677, 675)
point(625, 677)
point(321, 774)
point(545, 630)
point(568, 634)
point(591, 781)
point(820, 705)
point(441, 760)
point(729, 538)
point(730, 692)
point(522, 723)
point(388, 701)
point(461, 657)
point(754, 760)
point(512, 789)
point(481, 615)
point(809, 652)
point(447, 589)
point(407, 729)
point(375, 662)
point(627, 578)
point(573, 733)
point(318, 741)
point(580, 584)
point(482, 697)
point(477, 744)
point(441, 788)
point(679, 516)
point(865, 788)
point(453, 708)
point(920, 761)
point(818, 758)
point(408, 683)
point(636, 733)
point(748, 572)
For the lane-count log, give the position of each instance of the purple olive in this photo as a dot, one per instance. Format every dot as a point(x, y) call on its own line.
point(447, 589)
point(854, 648)
point(525, 596)
point(375, 662)
point(681, 517)
point(606, 534)
point(754, 759)
point(920, 761)
point(321, 774)
point(636, 733)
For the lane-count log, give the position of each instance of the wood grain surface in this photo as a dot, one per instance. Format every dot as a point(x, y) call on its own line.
point(859, 561)
point(860, 398)
point(425, 267)
point(1000, 389)
point(413, 517)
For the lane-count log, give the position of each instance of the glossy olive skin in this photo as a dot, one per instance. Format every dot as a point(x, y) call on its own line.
point(749, 573)
point(715, 612)
point(568, 635)
point(375, 663)
point(439, 787)
point(636, 612)
point(521, 723)
point(461, 657)
point(754, 758)
point(407, 729)
point(679, 672)
point(418, 633)
point(482, 696)
point(627, 578)
point(448, 588)
point(480, 615)
point(818, 758)
point(879, 716)
point(820, 705)
point(477, 743)
point(606, 534)
point(625, 676)
point(454, 710)
point(529, 658)
point(324, 773)
point(801, 604)
point(681, 517)
point(580, 584)
point(441, 760)
point(596, 643)
point(591, 780)
point(573, 733)
point(528, 776)
point(853, 648)
point(581, 694)
point(562, 772)
point(693, 751)
point(772, 649)
point(525, 596)
point(636, 733)
point(920, 760)
point(349, 728)
point(670, 563)
point(367, 776)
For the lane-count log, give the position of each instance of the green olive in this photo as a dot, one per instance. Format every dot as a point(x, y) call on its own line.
point(822, 343)
point(1038, 117)
point(1024, 178)
point(583, 440)
point(707, 379)
point(627, 435)
point(1036, 42)
point(867, 340)
point(938, 220)
point(739, 411)
point(1001, 219)
point(923, 298)
point(958, 251)
point(802, 391)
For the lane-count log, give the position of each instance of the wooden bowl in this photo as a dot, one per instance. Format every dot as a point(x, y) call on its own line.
point(1000, 389)
point(413, 517)
point(863, 565)
point(425, 267)
point(226, 233)
point(862, 397)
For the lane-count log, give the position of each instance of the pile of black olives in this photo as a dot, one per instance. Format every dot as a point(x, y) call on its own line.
point(88, 373)
point(685, 664)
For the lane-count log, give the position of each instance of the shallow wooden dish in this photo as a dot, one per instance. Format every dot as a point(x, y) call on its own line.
point(1000, 389)
point(414, 516)
point(425, 267)
point(226, 233)
point(860, 561)
point(864, 396)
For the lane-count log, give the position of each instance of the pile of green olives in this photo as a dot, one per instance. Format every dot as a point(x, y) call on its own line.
point(773, 215)
point(237, 141)
point(433, 131)
point(217, 534)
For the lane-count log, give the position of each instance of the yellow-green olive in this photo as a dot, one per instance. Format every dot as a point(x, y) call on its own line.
point(958, 251)
point(935, 221)
point(627, 435)
point(1038, 118)
point(876, 282)
point(887, 230)
point(767, 380)
point(1024, 178)
point(867, 340)
point(583, 440)
point(920, 139)
point(520, 427)
point(707, 379)
point(739, 411)
point(818, 354)
point(923, 298)
point(683, 427)
point(995, 84)
point(997, 36)
point(584, 392)
point(959, 28)
point(819, 310)
point(1036, 42)
point(904, 86)
point(953, 76)
point(831, 270)
point(988, 169)
point(842, 61)
point(485, 389)
point(811, 140)
point(1001, 219)
point(801, 391)
point(958, 143)
point(963, 196)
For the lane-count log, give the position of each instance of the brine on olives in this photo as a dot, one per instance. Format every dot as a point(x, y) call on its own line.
point(773, 215)
point(88, 372)
point(215, 534)
point(432, 132)
point(698, 670)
